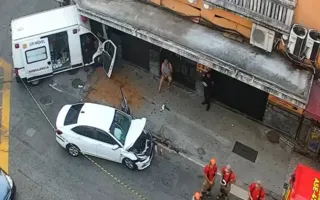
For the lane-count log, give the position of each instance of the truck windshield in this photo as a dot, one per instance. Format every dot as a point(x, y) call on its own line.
point(120, 126)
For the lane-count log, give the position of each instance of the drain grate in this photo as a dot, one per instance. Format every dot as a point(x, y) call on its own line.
point(201, 151)
point(245, 151)
point(77, 83)
point(46, 100)
point(273, 137)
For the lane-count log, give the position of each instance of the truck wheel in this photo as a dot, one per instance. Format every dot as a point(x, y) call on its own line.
point(34, 83)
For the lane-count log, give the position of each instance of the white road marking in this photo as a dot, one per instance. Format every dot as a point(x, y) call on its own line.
point(53, 86)
point(235, 190)
point(30, 132)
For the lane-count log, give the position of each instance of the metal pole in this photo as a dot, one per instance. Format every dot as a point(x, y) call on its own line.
point(299, 127)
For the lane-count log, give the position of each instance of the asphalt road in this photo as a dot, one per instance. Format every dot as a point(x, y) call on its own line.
point(41, 169)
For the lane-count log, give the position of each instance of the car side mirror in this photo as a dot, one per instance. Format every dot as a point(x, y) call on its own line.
point(115, 147)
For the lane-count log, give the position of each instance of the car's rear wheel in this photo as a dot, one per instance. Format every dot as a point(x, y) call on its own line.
point(73, 150)
point(129, 163)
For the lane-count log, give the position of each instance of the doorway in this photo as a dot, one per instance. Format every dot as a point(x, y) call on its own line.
point(59, 51)
point(89, 46)
point(184, 70)
point(135, 51)
point(240, 96)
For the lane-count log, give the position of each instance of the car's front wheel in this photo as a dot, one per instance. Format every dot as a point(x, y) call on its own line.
point(129, 163)
point(73, 150)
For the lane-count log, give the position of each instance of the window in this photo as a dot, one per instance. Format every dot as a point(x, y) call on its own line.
point(109, 48)
point(73, 114)
point(105, 137)
point(85, 131)
point(120, 126)
point(36, 55)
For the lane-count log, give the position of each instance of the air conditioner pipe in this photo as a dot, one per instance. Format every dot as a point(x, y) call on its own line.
point(292, 59)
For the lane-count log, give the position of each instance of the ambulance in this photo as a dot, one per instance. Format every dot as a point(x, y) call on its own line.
point(304, 184)
point(55, 41)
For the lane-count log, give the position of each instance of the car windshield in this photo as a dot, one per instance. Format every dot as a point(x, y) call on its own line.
point(120, 126)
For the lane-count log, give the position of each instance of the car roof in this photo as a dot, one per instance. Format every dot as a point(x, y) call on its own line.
point(95, 115)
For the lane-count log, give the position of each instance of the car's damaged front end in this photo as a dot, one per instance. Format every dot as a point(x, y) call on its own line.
point(143, 149)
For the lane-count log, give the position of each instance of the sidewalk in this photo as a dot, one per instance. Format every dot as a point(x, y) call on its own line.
point(192, 130)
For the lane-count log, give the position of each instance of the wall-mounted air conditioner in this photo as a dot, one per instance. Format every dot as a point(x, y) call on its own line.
point(297, 39)
point(312, 45)
point(262, 37)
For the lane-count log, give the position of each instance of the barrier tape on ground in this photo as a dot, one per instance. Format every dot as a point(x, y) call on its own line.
point(116, 179)
point(95, 163)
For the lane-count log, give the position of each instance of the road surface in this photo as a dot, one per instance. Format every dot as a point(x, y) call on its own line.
point(43, 170)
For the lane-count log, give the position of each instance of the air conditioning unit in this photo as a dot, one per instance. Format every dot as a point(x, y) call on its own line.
point(296, 40)
point(262, 37)
point(312, 45)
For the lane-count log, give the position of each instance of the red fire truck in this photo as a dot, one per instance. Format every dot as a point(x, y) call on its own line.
point(304, 184)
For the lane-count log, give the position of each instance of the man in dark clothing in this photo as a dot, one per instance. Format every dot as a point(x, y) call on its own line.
point(207, 83)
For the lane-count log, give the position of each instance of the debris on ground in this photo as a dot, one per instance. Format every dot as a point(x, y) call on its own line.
point(108, 90)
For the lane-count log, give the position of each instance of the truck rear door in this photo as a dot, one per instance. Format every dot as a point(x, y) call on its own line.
point(108, 56)
point(37, 60)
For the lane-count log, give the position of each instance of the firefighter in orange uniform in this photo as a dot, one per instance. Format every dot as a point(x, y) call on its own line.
point(196, 196)
point(210, 172)
point(228, 178)
point(256, 191)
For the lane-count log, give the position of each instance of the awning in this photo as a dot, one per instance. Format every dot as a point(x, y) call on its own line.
point(269, 72)
point(306, 185)
point(313, 106)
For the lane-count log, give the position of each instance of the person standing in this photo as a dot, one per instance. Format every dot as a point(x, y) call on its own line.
point(228, 177)
point(256, 191)
point(210, 172)
point(207, 83)
point(166, 73)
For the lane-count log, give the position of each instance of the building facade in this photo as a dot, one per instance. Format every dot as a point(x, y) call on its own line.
point(264, 53)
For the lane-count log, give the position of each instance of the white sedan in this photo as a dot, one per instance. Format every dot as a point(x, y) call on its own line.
point(104, 132)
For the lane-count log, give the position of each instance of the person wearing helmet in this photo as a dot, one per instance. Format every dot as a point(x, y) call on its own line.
point(210, 172)
point(227, 178)
point(196, 196)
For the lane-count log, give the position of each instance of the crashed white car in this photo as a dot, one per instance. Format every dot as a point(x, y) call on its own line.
point(104, 132)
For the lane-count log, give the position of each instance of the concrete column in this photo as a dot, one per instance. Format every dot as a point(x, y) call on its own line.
point(154, 62)
point(199, 86)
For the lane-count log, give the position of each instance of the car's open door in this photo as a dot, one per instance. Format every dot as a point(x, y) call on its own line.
point(108, 57)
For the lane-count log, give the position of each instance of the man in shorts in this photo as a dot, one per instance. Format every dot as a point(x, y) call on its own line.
point(166, 73)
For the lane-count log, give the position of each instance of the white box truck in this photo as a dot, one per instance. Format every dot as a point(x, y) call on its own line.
point(54, 41)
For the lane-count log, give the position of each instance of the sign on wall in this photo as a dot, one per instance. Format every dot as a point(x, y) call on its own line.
point(313, 140)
